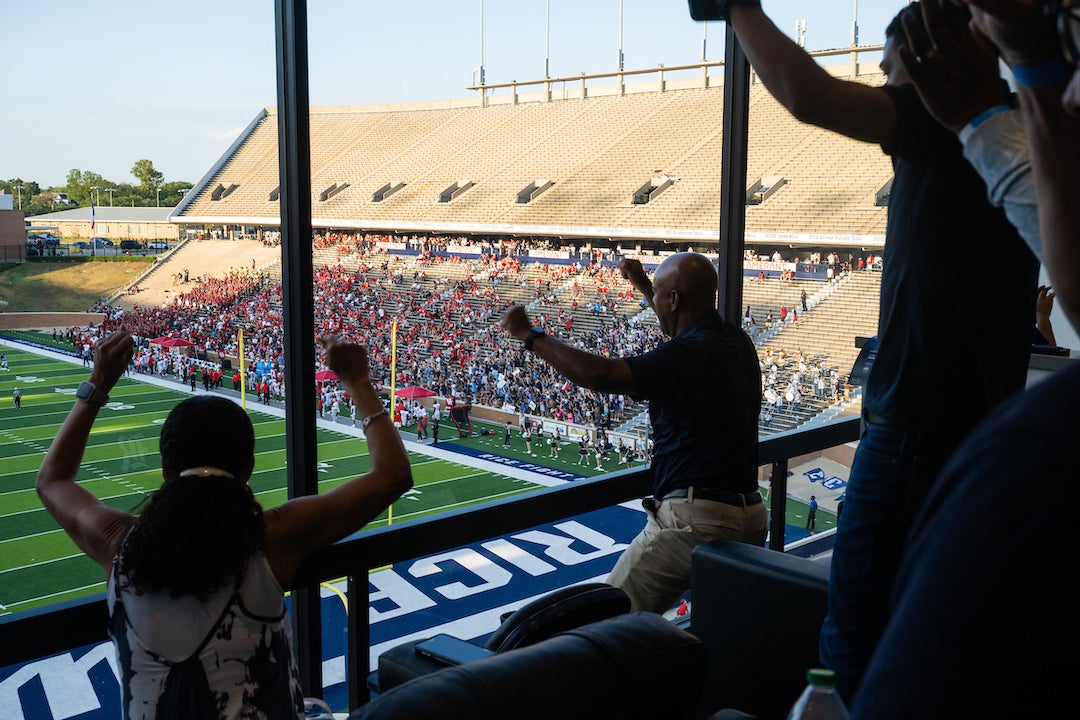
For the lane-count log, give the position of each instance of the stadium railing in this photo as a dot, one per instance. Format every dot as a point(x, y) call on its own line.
point(39, 633)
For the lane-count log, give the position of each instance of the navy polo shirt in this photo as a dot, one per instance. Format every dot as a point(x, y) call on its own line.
point(704, 393)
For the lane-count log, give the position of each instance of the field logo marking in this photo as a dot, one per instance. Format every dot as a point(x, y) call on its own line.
point(114, 405)
point(832, 482)
point(65, 680)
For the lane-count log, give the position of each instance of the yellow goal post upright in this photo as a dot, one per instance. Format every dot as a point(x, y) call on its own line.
point(393, 386)
point(243, 374)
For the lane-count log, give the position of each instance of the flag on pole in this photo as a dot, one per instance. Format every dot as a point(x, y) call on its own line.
point(91, 214)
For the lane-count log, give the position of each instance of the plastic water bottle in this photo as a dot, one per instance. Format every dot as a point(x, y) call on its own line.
point(819, 700)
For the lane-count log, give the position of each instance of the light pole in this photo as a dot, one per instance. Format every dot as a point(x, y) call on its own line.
point(110, 191)
point(20, 188)
point(620, 37)
point(92, 189)
point(483, 91)
point(159, 197)
point(547, 39)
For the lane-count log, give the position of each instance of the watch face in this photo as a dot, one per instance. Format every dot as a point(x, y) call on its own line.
point(88, 392)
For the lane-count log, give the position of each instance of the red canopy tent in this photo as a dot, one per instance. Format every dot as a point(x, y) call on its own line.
point(325, 376)
point(413, 391)
point(171, 342)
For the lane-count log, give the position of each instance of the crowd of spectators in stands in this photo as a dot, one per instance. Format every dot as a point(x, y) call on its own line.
point(446, 309)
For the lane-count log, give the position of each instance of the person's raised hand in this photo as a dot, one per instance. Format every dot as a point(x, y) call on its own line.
point(1022, 33)
point(631, 269)
point(348, 361)
point(516, 322)
point(954, 69)
point(1044, 302)
point(112, 355)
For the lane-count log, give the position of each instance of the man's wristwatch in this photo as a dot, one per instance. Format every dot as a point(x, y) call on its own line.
point(716, 9)
point(534, 332)
point(88, 392)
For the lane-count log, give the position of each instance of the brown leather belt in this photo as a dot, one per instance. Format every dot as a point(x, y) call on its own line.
point(716, 495)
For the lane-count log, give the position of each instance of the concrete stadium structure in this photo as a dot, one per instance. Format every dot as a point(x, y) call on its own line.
point(619, 162)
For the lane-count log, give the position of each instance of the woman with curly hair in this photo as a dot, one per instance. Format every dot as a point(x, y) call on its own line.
point(196, 607)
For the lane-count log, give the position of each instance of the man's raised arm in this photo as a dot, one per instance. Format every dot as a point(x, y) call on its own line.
point(802, 86)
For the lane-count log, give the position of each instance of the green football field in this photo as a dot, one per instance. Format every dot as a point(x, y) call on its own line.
point(39, 565)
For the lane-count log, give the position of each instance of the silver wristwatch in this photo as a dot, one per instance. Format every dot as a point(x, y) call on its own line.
point(88, 392)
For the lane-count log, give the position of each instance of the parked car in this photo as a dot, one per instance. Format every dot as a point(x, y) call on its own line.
point(81, 245)
point(131, 245)
point(101, 242)
point(47, 239)
point(159, 245)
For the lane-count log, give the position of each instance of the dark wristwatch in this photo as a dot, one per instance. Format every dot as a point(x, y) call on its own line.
point(88, 392)
point(534, 332)
point(716, 9)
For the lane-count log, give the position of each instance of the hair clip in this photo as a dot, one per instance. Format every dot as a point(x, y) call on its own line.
point(206, 471)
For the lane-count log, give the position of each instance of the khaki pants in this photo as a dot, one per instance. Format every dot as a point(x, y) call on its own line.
point(655, 570)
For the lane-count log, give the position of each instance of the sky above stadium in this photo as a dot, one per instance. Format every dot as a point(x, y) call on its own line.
point(97, 86)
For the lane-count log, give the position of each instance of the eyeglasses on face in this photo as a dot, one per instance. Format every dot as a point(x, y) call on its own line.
point(1066, 15)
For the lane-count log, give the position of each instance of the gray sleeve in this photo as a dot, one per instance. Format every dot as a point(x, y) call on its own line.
point(998, 151)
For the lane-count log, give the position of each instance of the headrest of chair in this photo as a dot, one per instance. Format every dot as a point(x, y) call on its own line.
point(557, 612)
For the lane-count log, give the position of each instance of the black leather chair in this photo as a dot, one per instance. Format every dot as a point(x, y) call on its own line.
point(631, 666)
point(535, 621)
point(759, 613)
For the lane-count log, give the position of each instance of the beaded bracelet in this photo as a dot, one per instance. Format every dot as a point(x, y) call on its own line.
point(373, 417)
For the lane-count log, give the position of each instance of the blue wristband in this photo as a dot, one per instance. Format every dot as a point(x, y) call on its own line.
point(987, 114)
point(1047, 73)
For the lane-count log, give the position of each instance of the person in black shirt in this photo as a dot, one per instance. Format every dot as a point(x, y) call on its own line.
point(704, 393)
point(938, 204)
point(967, 589)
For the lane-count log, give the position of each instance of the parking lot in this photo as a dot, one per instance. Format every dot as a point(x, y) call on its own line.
point(42, 246)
